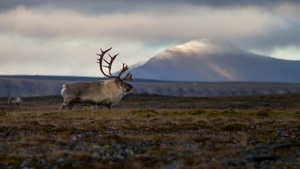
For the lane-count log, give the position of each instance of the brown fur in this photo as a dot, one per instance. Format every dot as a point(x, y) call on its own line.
point(106, 92)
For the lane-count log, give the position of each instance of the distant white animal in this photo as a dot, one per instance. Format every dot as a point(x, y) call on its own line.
point(104, 92)
point(14, 101)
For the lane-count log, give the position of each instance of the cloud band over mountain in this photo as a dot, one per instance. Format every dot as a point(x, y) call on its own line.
point(58, 37)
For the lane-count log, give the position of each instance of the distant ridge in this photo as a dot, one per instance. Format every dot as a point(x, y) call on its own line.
point(216, 61)
point(65, 78)
point(51, 77)
point(30, 86)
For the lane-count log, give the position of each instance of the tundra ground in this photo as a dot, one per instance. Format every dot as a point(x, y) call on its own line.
point(149, 131)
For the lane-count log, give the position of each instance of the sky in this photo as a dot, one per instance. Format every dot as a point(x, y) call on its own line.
point(62, 37)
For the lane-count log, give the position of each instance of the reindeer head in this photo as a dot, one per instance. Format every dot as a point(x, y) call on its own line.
point(118, 79)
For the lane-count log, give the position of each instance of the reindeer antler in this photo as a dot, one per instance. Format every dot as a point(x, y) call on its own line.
point(109, 66)
point(123, 70)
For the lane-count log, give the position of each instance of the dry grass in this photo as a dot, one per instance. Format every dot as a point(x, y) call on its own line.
point(153, 132)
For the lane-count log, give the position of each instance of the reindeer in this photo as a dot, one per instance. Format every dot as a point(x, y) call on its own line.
point(98, 93)
point(14, 101)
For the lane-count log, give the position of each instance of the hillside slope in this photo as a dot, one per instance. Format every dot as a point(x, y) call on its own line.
point(215, 61)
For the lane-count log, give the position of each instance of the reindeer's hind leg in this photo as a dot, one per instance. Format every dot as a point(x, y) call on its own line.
point(65, 104)
point(69, 105)
point(62, 106)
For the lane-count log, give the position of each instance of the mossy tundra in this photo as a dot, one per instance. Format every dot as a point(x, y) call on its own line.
point(150, 131)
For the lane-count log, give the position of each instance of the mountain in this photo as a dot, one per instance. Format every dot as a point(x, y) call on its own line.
point(216, 61)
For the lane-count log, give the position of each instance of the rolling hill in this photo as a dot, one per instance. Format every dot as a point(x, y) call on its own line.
point(216, 61)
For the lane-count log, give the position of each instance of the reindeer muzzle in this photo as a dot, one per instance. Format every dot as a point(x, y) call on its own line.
point(129, 88)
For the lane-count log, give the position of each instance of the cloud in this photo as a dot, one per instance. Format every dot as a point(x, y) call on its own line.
point(21, 55)
point(196, 23)
point(57, 37)
point(125, 6)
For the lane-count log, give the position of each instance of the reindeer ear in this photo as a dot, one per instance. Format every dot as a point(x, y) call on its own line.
point(117, 80)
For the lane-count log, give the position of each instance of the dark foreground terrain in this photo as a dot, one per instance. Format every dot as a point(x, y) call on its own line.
point(149, 131)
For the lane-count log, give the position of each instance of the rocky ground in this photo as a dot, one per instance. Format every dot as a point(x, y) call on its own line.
point(149, 131)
